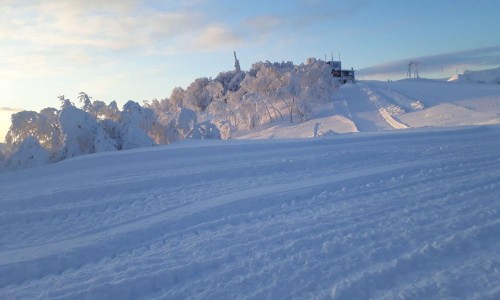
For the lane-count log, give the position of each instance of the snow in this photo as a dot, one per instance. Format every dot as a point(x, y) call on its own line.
point(410, 214)
point(375, 106)
point(324, 120)
point(271, 100)
point(483, 76)
point(386, 192)
point(443, 104)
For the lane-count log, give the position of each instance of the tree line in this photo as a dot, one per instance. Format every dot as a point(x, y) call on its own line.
point(209, 108)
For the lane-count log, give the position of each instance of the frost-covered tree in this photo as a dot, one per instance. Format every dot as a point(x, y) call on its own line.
point(204, 131)
point(103, 111)
point(87, 104)
point(197, 96)
point(180, 126)
point(42, 126)
point(82, 134)
point(178, 97)
point(50, 133)
point(64, 101)
point(164, 109)
point(230, 80)
point(185, 121)
point(23, 124)
point(263, 89)
point(29, 154)
point(224, 127)
point(207, 108)
point(290, 95)
point(135, 124)
point(316, 81)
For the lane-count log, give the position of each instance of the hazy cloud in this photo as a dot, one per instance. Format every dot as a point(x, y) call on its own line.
point(282, 25)
point(444, 63)
point(10, 109)
point(216, 36)
point(114, 25)
point(265, 24)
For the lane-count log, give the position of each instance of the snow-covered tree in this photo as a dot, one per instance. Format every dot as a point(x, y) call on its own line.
point(82, 134)
point(185, 121)
point(204, 131)
point(102, 111)
point(230, 80)
point(29, 154)
point(42, 126)
point(262, 90)
point(224, 127)
point(87, 104)
point(207, 108)
point(64, 101)
point(180, 126)
point(197, 96)
point(164, 109)
point(178, 97)
point(135, 124)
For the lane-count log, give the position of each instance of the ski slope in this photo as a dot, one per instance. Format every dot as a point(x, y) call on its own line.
point(375, 106)
point(411, 214)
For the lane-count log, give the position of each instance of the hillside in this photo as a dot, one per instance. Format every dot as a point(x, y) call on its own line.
point(373, 106)
point(410, 214)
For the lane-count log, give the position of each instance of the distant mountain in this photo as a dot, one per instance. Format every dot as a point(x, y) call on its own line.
point(483, 76)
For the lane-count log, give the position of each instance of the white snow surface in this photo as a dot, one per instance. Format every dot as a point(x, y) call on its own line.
point(482, 76)
point(374, 106)
point(407, 214)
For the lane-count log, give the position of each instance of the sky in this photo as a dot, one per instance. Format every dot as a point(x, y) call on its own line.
point(140, 50)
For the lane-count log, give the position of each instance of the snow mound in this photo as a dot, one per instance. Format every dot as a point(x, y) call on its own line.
point(483, 76)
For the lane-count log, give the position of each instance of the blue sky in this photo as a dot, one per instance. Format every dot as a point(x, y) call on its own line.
point(140, 50)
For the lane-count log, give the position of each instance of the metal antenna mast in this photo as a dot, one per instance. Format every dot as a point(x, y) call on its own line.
point(413, 69)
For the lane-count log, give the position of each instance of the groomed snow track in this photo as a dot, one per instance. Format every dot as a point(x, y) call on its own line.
point(411, 215)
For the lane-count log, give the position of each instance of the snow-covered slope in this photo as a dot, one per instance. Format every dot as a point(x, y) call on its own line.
point(405, 214)
point(483, 76)
point(372, 106)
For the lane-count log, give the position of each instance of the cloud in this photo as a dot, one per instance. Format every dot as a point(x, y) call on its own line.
point(43, 39)
point(216, 36)
point(265, 24)
point(446, 63)
point(283, 25)
point(113, 25)
point(10, 109)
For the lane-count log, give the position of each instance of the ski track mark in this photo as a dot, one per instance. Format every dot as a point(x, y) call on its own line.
point(337, 221)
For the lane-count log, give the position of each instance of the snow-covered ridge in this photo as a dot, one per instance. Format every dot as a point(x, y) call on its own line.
point(483, 76)
point(407, 213)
